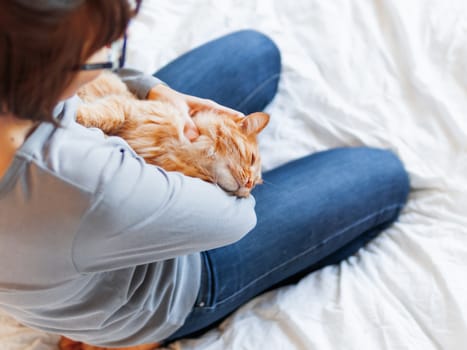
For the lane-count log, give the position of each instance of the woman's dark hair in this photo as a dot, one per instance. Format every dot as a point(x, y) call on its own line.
point(41, 41)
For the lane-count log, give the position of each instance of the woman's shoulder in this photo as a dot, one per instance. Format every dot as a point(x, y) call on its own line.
point(81, 156)
point(70, 153)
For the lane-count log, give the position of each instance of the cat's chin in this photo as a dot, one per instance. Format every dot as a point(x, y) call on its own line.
point(242, 192)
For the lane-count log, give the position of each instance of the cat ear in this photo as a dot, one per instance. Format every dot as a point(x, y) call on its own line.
point(254, 123)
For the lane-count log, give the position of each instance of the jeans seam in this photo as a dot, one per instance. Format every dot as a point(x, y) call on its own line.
point(257, 90)
point(209, 293)
point(320, 244)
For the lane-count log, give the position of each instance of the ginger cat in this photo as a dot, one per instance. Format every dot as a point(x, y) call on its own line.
point(225, 153)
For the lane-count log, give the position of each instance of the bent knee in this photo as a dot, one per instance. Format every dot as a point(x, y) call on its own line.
point(388, 168)
point(260, 46)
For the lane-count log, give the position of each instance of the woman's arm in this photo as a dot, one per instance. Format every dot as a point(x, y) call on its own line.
point(139, 83)
point(142, 214)
point(149, 87)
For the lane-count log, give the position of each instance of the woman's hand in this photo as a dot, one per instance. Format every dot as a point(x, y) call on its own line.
point(188, 105)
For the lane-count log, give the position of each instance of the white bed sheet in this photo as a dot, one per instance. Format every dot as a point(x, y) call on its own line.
point(382, 73)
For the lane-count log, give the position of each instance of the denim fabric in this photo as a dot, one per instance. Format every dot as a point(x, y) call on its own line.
point(240, 70)
point(312, 212)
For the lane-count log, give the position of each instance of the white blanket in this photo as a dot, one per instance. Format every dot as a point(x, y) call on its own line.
point(383, 73)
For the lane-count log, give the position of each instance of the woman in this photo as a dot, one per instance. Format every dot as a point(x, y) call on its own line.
point(103, 248)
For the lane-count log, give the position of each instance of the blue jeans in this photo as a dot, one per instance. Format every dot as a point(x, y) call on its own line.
point(312, 212)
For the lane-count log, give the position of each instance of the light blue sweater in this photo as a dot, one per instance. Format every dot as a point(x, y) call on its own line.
point(99, 246)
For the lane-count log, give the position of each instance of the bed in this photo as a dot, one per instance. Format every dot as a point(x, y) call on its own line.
point(381, 73)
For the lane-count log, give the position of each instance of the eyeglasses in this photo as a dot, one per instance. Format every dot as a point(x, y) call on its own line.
point(117, 50)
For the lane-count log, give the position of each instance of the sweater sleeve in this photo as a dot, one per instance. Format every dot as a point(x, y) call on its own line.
point(144, 214)
point(138, 82)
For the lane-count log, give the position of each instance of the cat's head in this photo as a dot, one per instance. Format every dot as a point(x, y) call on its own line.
point(229, 149)
point(225, 152)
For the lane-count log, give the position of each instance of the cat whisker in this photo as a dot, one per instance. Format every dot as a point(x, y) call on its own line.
point(270, 183)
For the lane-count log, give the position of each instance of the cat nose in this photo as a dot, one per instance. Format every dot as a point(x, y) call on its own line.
point(249, 184)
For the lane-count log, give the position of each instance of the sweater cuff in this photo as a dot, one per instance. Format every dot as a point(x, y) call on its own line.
point(137, 82)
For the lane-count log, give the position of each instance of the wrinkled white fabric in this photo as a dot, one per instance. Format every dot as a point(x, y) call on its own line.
point(383, 73)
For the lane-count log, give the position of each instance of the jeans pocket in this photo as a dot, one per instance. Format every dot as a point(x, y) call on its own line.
point(205, 295)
